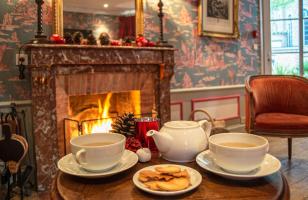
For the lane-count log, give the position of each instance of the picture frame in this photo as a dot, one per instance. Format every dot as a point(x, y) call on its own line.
point(218, 18)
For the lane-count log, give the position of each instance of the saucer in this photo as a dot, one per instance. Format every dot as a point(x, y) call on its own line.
point(269, 166)
point(195, 180)
point(68, 165)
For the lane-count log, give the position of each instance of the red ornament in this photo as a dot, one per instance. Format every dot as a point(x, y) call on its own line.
point(132, 144)
point(57, 39)
point(115, 43)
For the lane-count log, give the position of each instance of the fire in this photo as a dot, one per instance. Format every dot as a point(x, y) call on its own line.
point(103, 125)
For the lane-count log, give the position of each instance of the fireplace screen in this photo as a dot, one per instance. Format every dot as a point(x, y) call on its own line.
point(96, 113)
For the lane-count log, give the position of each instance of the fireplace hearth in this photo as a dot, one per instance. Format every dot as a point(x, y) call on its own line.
point(75, 82)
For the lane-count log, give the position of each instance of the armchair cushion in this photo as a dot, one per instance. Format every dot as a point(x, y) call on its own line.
point(281, 121)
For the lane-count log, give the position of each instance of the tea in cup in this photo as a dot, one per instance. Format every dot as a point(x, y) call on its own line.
point(238, 152)
point(99, 151)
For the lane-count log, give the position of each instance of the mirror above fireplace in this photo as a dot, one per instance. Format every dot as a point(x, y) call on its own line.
point(112, 17)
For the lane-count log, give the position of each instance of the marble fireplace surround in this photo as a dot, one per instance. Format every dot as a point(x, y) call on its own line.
point(53, 65)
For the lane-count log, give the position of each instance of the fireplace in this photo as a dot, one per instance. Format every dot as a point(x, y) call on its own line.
point(82, 89)
point(91, 107)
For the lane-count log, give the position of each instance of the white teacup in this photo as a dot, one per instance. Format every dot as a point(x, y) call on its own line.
point(238, 152)
point(99, 151)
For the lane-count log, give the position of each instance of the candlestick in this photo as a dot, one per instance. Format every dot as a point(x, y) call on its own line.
point(39, 38)
point(162, 42)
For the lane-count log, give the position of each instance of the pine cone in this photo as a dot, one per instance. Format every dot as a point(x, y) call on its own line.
point(125, 125)
point(104, 39)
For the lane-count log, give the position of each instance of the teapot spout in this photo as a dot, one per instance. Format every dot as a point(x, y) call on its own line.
point(162, 140)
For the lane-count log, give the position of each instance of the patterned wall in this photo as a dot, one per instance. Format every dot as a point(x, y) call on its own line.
point(17, 26)
point(206, 61)
point(95, 22)
point(201, 61)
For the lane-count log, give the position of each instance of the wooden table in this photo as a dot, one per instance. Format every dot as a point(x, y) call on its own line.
point(122, 187)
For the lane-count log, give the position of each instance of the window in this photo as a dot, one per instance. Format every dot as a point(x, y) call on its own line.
point(288, 22)
point(284, 21)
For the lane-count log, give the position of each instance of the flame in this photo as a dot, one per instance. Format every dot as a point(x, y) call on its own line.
point(103, 125)
point(137, 101)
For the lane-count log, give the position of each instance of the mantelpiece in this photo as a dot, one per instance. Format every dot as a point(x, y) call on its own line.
point(56, 68)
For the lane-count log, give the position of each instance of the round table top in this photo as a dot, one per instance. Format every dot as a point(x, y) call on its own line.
point(121, 186)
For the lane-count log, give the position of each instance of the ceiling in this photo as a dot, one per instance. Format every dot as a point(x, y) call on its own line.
point(116, 7)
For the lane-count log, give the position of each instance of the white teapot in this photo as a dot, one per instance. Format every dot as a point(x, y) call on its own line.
point(181, 141)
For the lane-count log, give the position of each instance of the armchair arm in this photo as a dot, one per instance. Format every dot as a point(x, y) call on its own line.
point(250, 105)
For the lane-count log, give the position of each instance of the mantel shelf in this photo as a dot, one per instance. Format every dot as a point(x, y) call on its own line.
point(48, 55)
point(67, 46)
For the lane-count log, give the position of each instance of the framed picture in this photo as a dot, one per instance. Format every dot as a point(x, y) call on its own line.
point(218, 18)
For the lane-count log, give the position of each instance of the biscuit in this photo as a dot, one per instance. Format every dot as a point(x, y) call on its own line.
point(143, 178)
point(183, 173)
point(152, 185)
point(165, 177)
point(149, 173)
point(168, 169)
point(174, 184)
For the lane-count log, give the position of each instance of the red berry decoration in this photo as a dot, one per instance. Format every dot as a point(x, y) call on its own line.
point(143, 42)
point(115, 43)
point(151, 44)
point(132, 144)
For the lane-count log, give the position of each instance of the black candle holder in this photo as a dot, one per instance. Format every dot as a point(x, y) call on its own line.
point(39, 38)
point(162, 42)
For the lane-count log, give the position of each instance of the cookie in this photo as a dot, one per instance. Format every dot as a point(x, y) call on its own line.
point(143, 178)
point(165, 177)
point(149, 173)
point(174, 184)
point(152, 185)
point(168, 169)
point(183, 173)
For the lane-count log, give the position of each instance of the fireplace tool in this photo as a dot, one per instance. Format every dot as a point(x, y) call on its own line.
point(13, 149)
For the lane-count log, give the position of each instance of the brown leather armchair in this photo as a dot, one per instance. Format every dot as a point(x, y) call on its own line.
point(277, 105)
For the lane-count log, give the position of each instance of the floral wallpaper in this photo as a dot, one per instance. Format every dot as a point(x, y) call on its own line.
point(200, 61)
point(206, 61)
point(95, 22)
point(17, 26)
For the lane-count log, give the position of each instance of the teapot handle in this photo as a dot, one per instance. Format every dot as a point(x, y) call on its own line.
point(206, 126)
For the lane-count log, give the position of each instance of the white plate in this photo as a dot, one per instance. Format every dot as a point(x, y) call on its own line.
point(269, 166)
point(195, 180)
point(68, 165)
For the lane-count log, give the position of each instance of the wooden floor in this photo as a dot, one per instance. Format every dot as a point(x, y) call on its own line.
point(296, 171)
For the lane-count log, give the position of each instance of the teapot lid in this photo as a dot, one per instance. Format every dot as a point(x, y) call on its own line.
point(182, 124)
